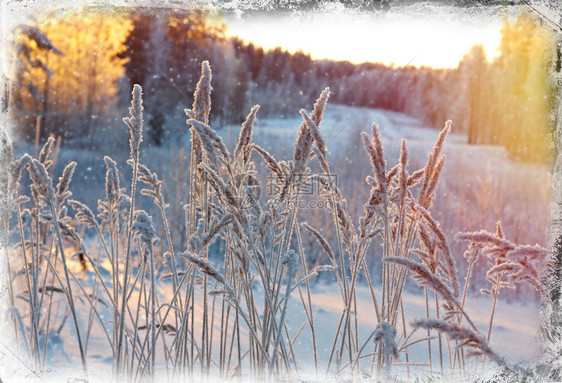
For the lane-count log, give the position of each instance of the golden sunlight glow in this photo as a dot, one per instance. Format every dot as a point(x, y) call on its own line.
point(430, 39)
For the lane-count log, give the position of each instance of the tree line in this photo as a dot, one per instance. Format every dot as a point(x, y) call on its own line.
point(76, 71)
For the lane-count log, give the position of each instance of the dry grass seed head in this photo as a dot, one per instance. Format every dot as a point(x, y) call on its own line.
point(403, 175)
point(465, 336)
point(270, 163)
point(215, 230)
point(345, 224)
point(424, 277)
point(151, 179)
point(41, 181)
point(210, 141)
point(245, 137)
point(391, 174)
point(83, 213)
point(205, 267)
point(306, 138)
point(303, 146)
point(202, 100)
point(144, 228)
point(46, 151)
point(68, 231)
point(135, 122)
point(426, 199)
point(499, 230)
point(63, 191)
point(16, 172)
point(320, 106)
point(425, 194)
point(112, 189)
point(416, 177)
point(449, 265)
point(321, 241)
point(224, 193)
point(374, 149)
point(485, 239)
point(315, 131)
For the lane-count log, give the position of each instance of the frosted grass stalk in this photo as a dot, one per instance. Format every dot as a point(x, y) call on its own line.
point(135, 124)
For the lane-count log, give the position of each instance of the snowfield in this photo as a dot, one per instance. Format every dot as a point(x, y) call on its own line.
point(515, 335)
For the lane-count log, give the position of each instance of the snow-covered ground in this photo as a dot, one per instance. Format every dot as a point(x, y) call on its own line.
point(339, 124)
point(514, 334)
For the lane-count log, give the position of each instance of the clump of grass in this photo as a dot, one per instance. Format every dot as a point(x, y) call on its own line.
point(199, 326)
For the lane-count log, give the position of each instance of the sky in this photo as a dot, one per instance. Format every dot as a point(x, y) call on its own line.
point(437, 37)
